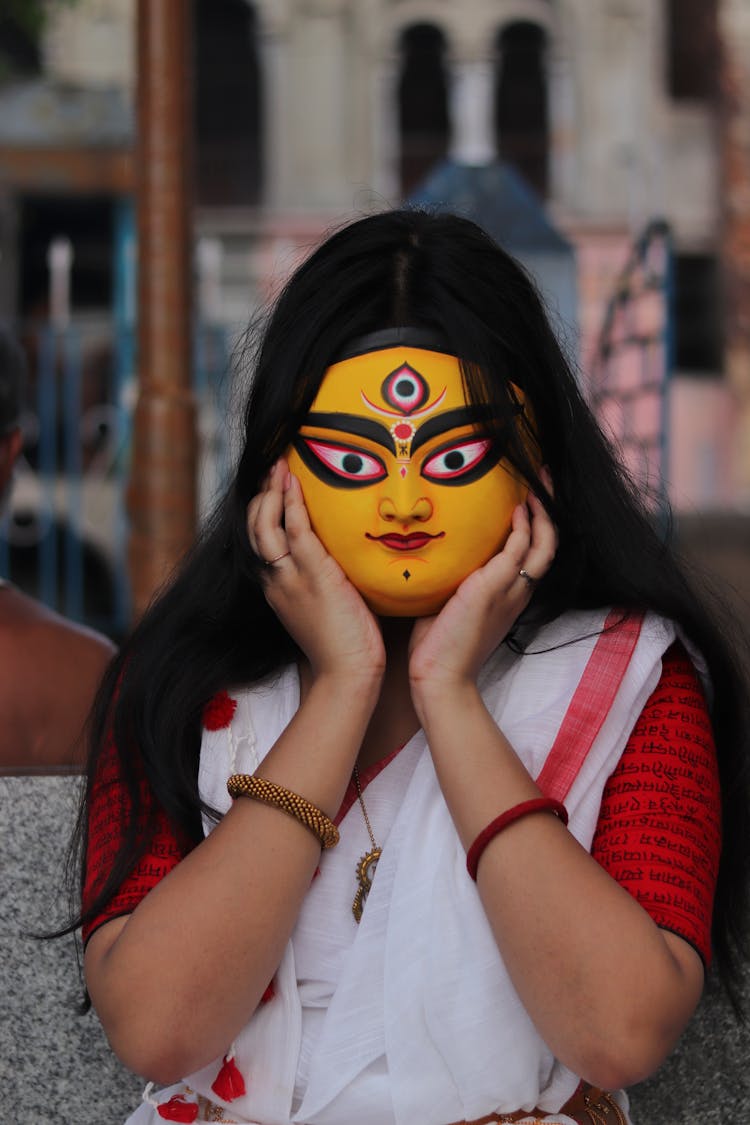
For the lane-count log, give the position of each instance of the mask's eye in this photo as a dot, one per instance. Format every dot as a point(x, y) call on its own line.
point(460, 460)
point(340, 464)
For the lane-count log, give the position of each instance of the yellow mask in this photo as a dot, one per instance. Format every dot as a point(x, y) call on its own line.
point(401, 487)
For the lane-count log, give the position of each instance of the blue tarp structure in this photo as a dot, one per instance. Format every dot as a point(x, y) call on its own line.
point(497, 198)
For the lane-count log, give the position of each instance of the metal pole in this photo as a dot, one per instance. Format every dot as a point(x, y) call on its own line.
point(162, 489)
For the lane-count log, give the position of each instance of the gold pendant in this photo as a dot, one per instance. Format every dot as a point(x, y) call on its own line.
point(365, 874)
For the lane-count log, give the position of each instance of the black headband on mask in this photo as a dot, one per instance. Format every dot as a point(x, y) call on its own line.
point(429, 339)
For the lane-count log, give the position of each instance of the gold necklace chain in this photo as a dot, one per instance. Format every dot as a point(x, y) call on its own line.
point(365, 869)
point(358, 787)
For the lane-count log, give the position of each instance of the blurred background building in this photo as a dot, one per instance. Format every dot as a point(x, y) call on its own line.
point(604, 141)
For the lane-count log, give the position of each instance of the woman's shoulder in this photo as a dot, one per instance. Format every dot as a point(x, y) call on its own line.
point(279, 685)
point(585, 626)
point(240, 724)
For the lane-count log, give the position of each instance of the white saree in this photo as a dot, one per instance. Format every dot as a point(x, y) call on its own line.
point(410, 1018)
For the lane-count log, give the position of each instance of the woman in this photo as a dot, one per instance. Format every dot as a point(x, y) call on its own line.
point(430, 609)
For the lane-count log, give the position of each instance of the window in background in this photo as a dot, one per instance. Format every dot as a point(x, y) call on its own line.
point(692, 42)
point(88, 222)
point(521, 114)
point(423, 103)
point(227, 104)
point(698, 326)
point(21, 26)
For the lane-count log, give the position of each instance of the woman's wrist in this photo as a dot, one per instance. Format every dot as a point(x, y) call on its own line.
point(479, 772)
point(435, 699)
point(356, 688)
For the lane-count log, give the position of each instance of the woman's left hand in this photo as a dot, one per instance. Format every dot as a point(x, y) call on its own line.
point(450, 648)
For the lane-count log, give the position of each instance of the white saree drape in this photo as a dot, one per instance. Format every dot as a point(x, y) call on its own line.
point(410, 1018)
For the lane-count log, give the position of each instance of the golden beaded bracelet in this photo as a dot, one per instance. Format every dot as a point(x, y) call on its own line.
point(259, 789)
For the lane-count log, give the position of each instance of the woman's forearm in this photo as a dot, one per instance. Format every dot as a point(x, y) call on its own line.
point(174, 982)
point(607, 989)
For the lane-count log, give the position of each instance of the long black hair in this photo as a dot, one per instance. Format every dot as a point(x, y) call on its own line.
point(212, 628)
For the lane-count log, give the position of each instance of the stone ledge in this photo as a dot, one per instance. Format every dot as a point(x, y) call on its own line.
point(56, 1065)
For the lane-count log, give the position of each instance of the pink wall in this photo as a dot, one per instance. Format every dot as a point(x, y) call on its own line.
point(702, 419)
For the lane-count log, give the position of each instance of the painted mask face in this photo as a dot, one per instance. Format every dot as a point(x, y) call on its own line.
point(402, 488)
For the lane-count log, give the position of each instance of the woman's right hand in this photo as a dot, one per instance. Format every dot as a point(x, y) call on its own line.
point(307, 589)
point(199, 1003)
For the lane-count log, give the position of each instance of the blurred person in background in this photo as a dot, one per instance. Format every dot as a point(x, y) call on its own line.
point(49, 667)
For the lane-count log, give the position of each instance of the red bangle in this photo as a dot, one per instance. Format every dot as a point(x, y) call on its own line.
point(525, 808)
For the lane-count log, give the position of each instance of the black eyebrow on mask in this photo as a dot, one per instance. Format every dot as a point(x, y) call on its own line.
point(450, 420)
point(355, 425)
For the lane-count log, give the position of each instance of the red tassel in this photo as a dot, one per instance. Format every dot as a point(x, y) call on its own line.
point(219, 711)
point(269, 993)
point(229, 1083)
point(177, 1109)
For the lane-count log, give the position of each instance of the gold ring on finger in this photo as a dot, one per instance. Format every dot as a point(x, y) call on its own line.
point(270, 562)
